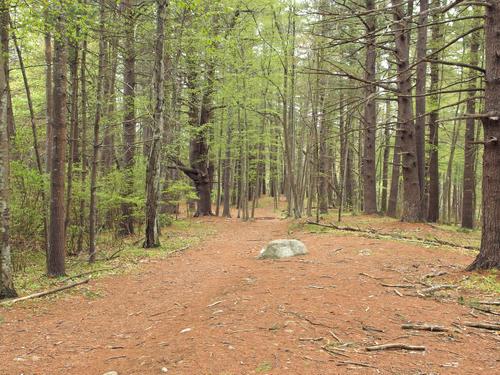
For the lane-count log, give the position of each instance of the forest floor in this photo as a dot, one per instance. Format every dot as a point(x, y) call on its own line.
point(216, 309)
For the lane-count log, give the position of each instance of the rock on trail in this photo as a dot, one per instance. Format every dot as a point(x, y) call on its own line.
point(278, 249)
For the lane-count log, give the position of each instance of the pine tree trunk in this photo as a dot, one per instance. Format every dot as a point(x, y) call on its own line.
point(56, 254)
point(489, 254)
point(433, 202)
point(469, 185)
point(153, 171)
point(406, 132)
point(420, 100)
point(369, 172)
point(129, 122)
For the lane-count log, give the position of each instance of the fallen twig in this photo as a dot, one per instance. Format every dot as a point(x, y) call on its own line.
point(434, 241)
point(435, 274)
point(395, 346)
point(425, 327)
point(493, 303)
point(360, 364)
point(436, 288)
point(488, 326)
point(336, 337)
point(370, 276)
point(398, 292)
point(215, 303)
point(89, 273)
point(374, 329)
point(311, 338)
point(45, 293)
point(398, 285)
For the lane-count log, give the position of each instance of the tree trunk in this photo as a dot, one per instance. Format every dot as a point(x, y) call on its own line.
point(420, 99)
point(489, 254)
point(369, 172)
point(226, 168)
point(433, 208)
point(48, 97)
point(56, 254)
point(385, 162)
point(406, 132)
point(96, 146)
point(153, 172)
point(469, 182)
point(7, 289)
point(129, 123)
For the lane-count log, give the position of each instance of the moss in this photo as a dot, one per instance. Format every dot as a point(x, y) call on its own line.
point(263, 367)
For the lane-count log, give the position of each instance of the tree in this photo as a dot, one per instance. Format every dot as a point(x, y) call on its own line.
point(370, 115)
point(7, 289)
point(57, 242)
point(489, 254)
point(129, 122)
point(406, 131)
point(153, 172)
point(469, 182)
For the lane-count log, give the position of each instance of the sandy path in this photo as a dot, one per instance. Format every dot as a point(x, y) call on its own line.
point(240, 315)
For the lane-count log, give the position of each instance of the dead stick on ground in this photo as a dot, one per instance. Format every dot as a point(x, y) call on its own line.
point(370, 276)
point(398, 286)
point(489, 326)
point(434, 241)
point(89, 273)
point(493, 303)
point(425, 327)
point(45, 293)
point(360, 364)
point(336, 337)
point(437, 288)
point(394, 347)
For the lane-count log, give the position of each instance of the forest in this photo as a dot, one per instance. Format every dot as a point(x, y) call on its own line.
point(151, 131)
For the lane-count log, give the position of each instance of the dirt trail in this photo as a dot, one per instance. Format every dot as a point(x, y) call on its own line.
point(215, 309)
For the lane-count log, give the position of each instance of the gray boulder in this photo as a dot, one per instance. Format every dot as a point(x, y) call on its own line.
point(278, 249)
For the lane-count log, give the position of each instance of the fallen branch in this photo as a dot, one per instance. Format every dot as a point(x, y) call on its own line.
point(395, 346)
point(45, 293)
point(311, 338)
point(370, 276)
point(425, 327)
point(493, 303)
point(360, 364)
point(436, 288)
point(434, 241)
point(488, 326)
point(89, 273)
point(398, 285)
point(436, 274)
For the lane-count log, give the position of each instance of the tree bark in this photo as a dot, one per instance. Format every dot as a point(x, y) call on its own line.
point(370, 115)
point(97, 122)
point(469, 181)
point(489, 254)
point(420, 100)
point(406, 132)
point(7, 289)
point(129, 123)
point(153, 171)
point(56, 252)
point(433, 202)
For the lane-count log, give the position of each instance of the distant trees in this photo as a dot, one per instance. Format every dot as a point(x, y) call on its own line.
point(365, 106)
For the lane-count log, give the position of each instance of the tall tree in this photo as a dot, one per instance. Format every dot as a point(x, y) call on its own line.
point(406, 132)
point(433, 207)
point(153, 172)
point(420, 99)
point(129, 122)
point(469, 182)
point(6, 275)
point(57, 242)
point(489, 254)
point(370, 114)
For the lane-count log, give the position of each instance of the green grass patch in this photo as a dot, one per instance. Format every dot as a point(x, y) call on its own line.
point(114, 256)
point(488, 281)
point(263, 367)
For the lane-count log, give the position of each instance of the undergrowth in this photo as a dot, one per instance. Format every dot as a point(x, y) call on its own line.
point(115, 256)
